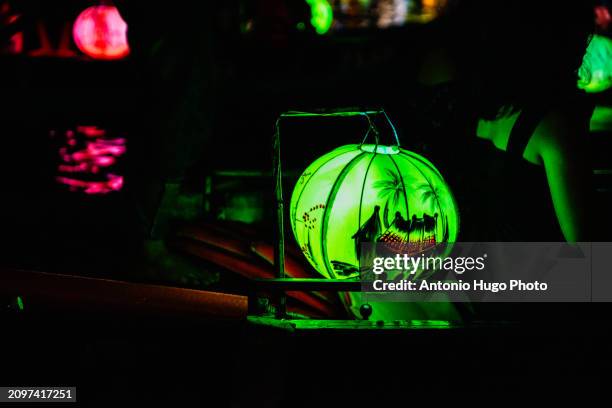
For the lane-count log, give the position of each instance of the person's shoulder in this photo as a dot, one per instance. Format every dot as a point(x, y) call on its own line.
point(560, 130)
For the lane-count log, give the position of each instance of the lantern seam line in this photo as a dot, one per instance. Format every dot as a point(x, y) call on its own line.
point(448, 191)
point(417, 157)
point(341, 176)
point(426, 178)
point(365, 178)
point(403, 186)
point(293, 220)
point(420, 171)
point(423, 161)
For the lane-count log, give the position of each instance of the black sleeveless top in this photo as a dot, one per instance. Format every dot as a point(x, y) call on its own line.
point(506, 197)
point(500, 195)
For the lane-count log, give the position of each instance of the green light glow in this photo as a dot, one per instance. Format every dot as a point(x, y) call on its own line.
point(601, 120)
point(322, 15)
point(595, 73)
point(369, 193)
point(440, 324)
point(20, 303)
point(327, 324)
point(380, 149)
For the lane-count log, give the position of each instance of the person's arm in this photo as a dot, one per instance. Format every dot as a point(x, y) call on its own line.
point(560, 141)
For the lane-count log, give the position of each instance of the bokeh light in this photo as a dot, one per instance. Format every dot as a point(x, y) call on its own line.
point(101, 33)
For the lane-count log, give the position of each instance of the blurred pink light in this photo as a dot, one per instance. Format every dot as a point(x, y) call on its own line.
point(88, 153)
point(101, 33)
point(114, 183)
point(79, 168)
point(91, 131)
point(104, 161)
point(97, 149)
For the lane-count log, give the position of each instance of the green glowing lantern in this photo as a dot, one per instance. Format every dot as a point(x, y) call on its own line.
point(369, 193)
point(322, 15)
point(595, 73)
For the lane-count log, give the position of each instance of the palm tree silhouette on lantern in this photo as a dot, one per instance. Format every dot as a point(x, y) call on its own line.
point(430, 195)
point(392, 189)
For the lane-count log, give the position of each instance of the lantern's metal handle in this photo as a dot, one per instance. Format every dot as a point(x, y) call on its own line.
point(397, 143)
point(373, 128)
point(365, 113)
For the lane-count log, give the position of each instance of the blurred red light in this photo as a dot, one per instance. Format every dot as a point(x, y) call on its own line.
point(602, 17)
point(101, 33)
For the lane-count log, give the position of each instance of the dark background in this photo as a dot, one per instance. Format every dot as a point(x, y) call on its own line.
point(197, 99)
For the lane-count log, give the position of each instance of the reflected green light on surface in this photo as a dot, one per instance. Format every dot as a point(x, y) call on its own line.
point(322, 15)
point(595, 73)
point(442, 324)
point(357, 194)
point(19, 303)
point(353, 325)
point(601, 120)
